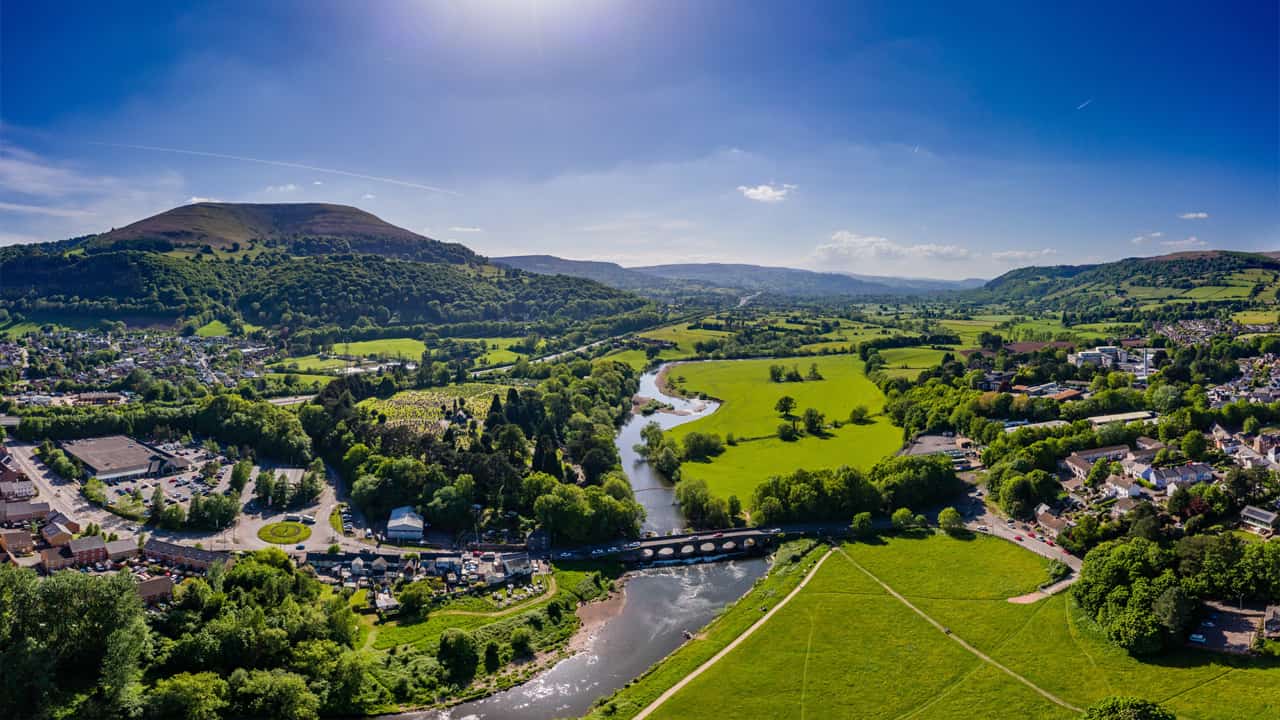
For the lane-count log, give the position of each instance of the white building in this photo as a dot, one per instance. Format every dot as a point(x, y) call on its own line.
point(405, 524)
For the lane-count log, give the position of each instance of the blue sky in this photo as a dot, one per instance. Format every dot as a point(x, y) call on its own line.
point(880, 138)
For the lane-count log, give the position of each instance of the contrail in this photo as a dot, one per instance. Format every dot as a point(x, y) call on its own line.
point(281, 163)
point(1084, 104)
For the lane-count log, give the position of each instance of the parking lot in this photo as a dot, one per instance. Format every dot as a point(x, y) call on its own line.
point(1226, 628)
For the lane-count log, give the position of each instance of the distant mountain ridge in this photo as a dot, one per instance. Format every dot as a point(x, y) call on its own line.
point(792, 282)
point(301, 228)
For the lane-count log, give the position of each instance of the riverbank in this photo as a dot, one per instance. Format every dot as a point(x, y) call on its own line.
point(790, 565)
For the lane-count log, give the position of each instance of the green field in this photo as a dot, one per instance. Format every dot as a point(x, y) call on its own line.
point(305, 380)
point(968, 330)
point(749, 397)
point(908, 362)
point(213, 328)
point(498, 349)
point(844, 647)
point(284, 533)
point(683, 336)
point(1256, 317)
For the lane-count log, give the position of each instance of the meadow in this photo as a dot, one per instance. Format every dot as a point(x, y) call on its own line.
point(683, 336)
point(748, 413)
point(497, 349)
point(845, 647)
point(909, 361)
point(424, 406)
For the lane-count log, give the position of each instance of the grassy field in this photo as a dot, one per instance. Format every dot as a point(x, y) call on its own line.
point(844, 647)
point(749, 397)
point(407, 348)
point(305, 380)
point(908, 362)
point(424, 406)
point(785, 574)
point(1256, 317)
point(683, 336)
point(284, 533)
point(498, 349)
point(213, 328)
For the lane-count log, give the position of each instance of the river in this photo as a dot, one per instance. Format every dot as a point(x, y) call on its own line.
point(657, 606)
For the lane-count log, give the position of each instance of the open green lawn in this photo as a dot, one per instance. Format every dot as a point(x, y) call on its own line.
point(968, 330)
point(213, 328)
point(498, 349)
point(1256, 317)
point(305, 380)
point(749, 397)
point(908, 362)
point(284, 533)
point(309, 363)
point(407, 348)
point(844, 647)
point(683, 336)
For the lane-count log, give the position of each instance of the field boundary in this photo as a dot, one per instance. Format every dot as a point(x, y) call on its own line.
point(669, 692)
point(946, 631)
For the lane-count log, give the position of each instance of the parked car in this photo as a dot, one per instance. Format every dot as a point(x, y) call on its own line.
point(1198, 638)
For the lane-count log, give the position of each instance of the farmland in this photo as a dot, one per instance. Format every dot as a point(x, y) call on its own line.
point(840, 647)
point(683, 336)
point(425, 406)
point(908, 362)
point(748, 413)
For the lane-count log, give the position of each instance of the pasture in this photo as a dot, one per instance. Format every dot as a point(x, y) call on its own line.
point(909, 361)
point(683, 336)
point(845, 647)
point(748, 413)
point(422, 407)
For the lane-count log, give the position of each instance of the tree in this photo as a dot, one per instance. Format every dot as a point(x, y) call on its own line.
point(785, 405)
point(814, 421)
point(902, 519)
point(787, 432)
point(273, 694)
point(199, 696)
point(458, 653)
point(813, 372)
point(1194, 445)
point(1127, 708)
point(522, 641)
point(240, 474)
point(859, 415)
point(950, 521)
point(264, 487)
point(862, 525)
point(1251, 425)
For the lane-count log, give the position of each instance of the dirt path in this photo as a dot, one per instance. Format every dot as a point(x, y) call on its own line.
point(651, 707)
point(975, 651)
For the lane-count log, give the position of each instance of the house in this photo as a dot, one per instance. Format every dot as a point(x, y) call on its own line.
point(1138, 416)
point(1221, 437)
point(56, 534)
point(405, 524)
point(1136, 467)
point(156, 589)
point(17, 542)
point(1142, 442)
point(88, 550)
point(124, 549)
point(358, 566)
point(1110, 452)
point(1123, 487)
point(57, 558)
point(517, 565)
point(1123, 506)
point(63, 520)
point(1258, 519)
point(1068, 394)
point(24, 511)
point(1271, 623)
point(182, 555)
point(1078, 466)
point(1052, 523)
point(17, 490)
point(1188, 474)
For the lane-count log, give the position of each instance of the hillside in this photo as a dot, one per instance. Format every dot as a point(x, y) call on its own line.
point(611, 274)
point(298, 228)
point(1142, 283)
point(313, 265)
point(782, 281)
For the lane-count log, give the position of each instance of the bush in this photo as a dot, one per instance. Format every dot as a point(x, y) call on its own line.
point(788, 433)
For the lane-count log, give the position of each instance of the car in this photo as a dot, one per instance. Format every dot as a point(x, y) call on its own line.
point(1049, 542)
point(1018, 538)
point(1065, 552)
point(718, 535)
point(1208, 624)
point(1009, 522)
point(300, 546)
point(1198, 638)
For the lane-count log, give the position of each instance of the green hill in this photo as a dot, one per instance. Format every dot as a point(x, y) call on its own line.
point(298, 228)
point(311, 265)
point(1141, 283)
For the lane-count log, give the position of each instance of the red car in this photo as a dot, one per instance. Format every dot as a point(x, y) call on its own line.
point(1018, 538)
point(1050, 542)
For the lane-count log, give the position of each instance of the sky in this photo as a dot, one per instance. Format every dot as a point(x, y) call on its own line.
point(890, 138)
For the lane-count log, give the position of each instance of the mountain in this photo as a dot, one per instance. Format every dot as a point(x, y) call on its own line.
point(781, 281)
point(298, 228)
point(1137, 282)
point(920, 285)
point(611, 274)
point(310, 265)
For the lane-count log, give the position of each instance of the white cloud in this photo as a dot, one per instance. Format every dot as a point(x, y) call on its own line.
point(43, 210)
point(1199, 215)
point(368, 196)
point(200, 199)
point(466, 229)
point(847, 245)
point(286, 188)
point(766, 193)
point(1146, 237)
point(317, 182)
point(1084, 104)
point(1191, 243)
point(1022, 255)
